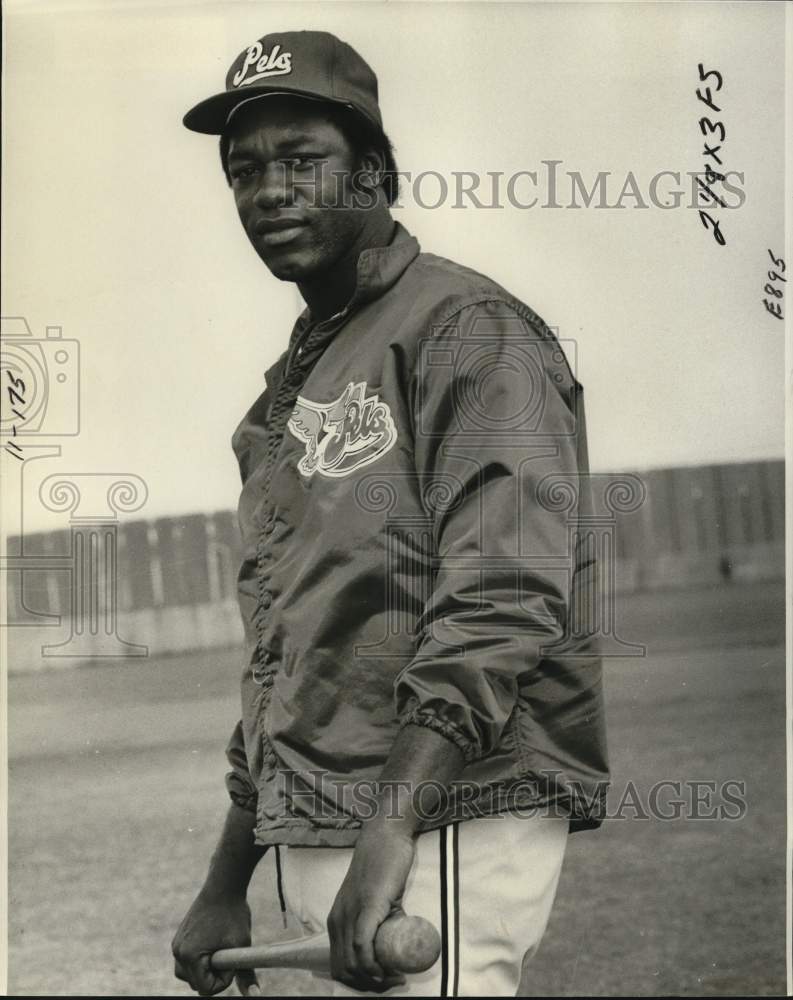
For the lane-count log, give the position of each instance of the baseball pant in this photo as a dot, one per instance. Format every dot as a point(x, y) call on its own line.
point(487, 884)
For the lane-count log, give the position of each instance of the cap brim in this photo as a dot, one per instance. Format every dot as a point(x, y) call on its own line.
point(212, 115)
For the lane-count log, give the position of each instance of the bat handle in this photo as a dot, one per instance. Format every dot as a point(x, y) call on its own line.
point(402, 944)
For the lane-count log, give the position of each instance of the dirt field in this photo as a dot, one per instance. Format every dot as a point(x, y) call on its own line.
point(116, 797)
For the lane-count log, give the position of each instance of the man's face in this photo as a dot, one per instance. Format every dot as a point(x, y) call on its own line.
point(290, 172)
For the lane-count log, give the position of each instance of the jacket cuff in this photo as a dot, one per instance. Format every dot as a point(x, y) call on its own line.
point(469, 748)
point(240, 792)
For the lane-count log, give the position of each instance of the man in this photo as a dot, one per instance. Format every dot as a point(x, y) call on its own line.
point(422, 721)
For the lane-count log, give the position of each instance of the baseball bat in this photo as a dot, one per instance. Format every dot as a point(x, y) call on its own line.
point(402, 944)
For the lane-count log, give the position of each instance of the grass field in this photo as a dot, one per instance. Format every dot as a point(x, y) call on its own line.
point(116, 797)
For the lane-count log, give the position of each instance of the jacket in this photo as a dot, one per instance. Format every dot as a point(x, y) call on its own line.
point(412, 555)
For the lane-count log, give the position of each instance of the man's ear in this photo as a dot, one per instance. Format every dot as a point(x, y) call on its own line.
point(372, 168)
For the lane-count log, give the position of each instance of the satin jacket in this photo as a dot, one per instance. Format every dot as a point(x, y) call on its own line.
point(414, 487)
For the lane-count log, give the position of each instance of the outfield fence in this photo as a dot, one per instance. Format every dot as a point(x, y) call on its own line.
point(114, 588)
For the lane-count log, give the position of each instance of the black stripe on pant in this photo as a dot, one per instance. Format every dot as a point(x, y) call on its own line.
point(450, 909)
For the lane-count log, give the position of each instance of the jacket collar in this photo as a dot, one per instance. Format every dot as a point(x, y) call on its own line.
point(378, 269)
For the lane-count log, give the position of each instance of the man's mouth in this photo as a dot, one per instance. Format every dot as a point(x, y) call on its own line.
point(276, 232)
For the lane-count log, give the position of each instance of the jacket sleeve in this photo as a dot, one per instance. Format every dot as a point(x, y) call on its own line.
point(241, 788)
point(493, 417)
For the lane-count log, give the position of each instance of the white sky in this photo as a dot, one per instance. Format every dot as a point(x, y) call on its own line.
point(118, 226)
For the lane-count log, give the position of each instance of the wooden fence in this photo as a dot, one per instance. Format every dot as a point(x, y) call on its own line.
point(149, 587)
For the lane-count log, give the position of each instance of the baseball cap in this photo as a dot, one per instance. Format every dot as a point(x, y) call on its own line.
point(312, 64)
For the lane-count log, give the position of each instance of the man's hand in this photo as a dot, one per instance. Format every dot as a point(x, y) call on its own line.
point(383, 856)
point(212, 923)
point(371, 891)
point(220, 917)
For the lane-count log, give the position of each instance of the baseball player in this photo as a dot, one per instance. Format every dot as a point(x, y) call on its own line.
point(422, 717)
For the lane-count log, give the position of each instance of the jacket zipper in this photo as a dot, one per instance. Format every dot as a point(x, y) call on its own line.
point(297, 347)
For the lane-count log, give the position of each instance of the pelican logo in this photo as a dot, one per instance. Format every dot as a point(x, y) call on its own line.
point(340, 437)
point(262, 64)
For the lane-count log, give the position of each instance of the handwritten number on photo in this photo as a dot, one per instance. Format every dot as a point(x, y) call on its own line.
point(775, 291)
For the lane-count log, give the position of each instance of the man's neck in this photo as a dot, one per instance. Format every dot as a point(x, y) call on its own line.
point(334, 288)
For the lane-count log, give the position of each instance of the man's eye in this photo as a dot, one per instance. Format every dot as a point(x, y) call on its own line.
point(302, 162)
point(242, 172)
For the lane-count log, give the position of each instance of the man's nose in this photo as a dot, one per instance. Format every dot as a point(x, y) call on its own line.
point(276, 187)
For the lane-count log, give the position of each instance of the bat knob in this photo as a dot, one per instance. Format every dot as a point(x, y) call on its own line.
point(407, 944)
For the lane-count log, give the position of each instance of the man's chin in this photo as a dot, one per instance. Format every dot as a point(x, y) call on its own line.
point(292, 266)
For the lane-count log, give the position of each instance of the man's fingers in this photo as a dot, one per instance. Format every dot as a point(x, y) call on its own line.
point(205, 981)
point(180, 972)
point(353, 960)
point(341, 953)
point(363, 971)
point(372, 985)
point(343, 959)
point(363, 945)
point(185, 970)
point(201, 978)
point(247, 983)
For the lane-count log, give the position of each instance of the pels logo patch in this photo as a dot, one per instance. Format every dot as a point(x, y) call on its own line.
point(274, 63)
point(340, 437)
